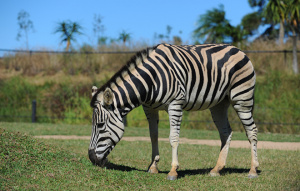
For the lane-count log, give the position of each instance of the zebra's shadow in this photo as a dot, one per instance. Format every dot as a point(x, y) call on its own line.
point(191, 172)
point(182, 173)
point(119, 167)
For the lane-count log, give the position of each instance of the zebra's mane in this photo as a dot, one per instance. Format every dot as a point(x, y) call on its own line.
point(135, 60)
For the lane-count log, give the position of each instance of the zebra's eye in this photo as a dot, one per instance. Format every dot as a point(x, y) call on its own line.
point(100, 125)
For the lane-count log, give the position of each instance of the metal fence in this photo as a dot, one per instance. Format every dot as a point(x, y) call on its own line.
point(285, 52)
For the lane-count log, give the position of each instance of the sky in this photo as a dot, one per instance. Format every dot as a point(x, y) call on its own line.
point(142, 19)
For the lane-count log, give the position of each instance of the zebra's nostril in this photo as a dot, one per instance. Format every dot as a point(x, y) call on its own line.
point(92, 156)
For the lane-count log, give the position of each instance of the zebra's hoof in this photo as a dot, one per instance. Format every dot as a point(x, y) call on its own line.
point(153, 170)
point(172, 177)
point(213, 174)
point(252, 176)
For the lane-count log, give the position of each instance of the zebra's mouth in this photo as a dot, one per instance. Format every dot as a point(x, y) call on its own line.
point(95, 160)
point(102, 163)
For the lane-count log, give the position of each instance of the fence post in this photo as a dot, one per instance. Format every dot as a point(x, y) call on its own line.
point(285, 63)
point(33, 114)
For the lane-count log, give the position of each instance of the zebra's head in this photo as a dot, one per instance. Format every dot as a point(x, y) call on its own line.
point(107, 129)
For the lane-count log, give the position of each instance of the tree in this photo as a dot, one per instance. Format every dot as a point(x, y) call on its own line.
point(276, 12)
point(213, 27)
point(169, 29)
point(177, 40)
point(68, 32)
point(98, 29)
point(257, 3)
point(25, 26)
point(165, 38)
point(238, 35)
point(251, 22)
point(293, 18)
point(124, 36)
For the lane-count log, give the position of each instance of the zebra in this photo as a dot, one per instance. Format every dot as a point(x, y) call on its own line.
point(176, 78)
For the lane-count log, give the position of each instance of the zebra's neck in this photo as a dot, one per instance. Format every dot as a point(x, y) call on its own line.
point(129, 87)
point(125, 98)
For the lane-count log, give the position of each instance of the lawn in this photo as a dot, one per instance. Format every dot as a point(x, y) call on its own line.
point(35, 164)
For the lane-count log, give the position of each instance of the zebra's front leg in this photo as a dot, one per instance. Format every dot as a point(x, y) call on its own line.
point(153, 118)
point(175, 116)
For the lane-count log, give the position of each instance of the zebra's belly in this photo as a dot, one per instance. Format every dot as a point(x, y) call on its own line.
point(201, 103)
point(190, 102)
point(191, 105)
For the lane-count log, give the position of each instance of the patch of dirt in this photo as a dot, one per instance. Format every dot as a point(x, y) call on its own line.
point(233, 144)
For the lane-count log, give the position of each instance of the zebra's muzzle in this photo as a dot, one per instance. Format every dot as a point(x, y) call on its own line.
point(95, 160)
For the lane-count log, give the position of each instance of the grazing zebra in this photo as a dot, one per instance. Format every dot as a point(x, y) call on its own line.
point(176, 78)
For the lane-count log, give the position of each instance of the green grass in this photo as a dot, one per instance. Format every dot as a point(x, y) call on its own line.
point(33, 164)
point(63, 98)
point(66, 129)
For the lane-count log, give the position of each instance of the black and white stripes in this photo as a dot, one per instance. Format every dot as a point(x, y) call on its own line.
point(177, 78)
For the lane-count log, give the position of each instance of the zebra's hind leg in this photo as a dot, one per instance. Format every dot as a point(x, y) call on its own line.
point(219, 115)
point(244, 111)
point(152, 117)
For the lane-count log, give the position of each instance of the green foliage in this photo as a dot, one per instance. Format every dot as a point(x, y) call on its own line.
point(251, 22)
point(63, 101)
point(276, 101)
point(213, 26)
point(277, 93)
point(15, 95)
point(124, 36)
point(68, 30)
point(275, 10)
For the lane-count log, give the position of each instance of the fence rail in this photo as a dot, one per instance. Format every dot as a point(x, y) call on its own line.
point(67, 52)
point(123, 52)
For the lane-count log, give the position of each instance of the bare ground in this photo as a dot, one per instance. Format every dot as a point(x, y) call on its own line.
point(233, 144)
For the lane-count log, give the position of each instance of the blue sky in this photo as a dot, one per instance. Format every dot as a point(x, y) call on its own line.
point(142, 19)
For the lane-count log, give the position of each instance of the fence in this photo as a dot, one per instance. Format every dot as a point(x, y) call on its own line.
point(30, 52)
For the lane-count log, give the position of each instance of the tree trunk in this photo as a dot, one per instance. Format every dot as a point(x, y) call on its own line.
point(295, 62)
point(281, 33)
point(68, 45)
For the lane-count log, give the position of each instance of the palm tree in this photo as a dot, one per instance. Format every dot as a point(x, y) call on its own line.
point(276, 12)
point(213, 26)
point(68, 32)
point(124, 36)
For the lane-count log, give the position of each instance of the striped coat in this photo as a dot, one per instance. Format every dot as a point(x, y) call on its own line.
point(176, 78)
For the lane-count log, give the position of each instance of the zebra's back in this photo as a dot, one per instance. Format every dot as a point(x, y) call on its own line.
point(204, 74)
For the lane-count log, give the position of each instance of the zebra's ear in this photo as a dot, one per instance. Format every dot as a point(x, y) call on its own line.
point(108, 97)
point(94, 90)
